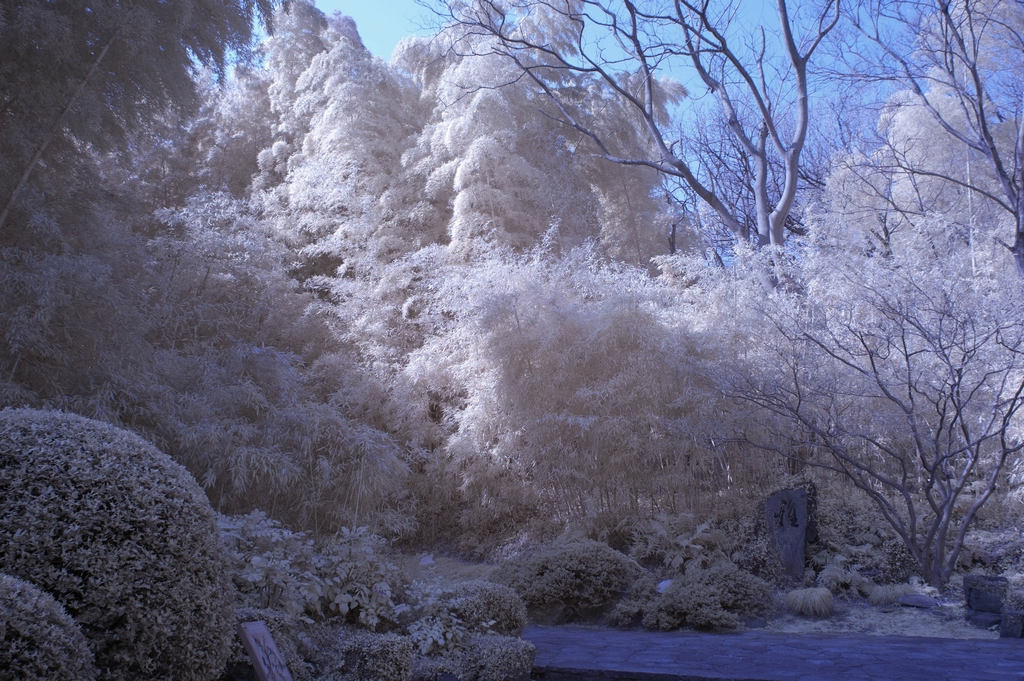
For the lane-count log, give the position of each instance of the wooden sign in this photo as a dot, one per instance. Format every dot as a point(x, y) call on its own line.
point(267, 660)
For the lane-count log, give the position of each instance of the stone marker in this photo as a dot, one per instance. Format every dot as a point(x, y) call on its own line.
point(1012, 624)
point(786, 519)
point(985, 593)
point(984, 620)
point(918, 601)
point(266, 658)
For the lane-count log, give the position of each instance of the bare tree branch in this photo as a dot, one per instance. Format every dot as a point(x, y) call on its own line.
point(914, 401)
point(647, 45)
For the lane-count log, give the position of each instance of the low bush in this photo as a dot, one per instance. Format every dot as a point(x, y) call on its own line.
point(716, 598)
point(359, 655)
point(673, 541)
point(579, 579)
point(856, 544)
point(123, 538)
point(498, 658)
point(1014, 599)
point(640, 597)
point(486, 657)
point(896, 565)
point(38, 639)
point(758, 557)
point(812, 602)
point(995, 550)
point(488, 607)
point(682, 607)
point(438, 633)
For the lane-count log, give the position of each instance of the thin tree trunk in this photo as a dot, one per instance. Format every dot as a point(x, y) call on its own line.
point(57, 125)
point(1017, 249)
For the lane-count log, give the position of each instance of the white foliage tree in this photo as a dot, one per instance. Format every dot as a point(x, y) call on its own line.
point(343, 121)
point(568, 372)
point(257, 398)
point(958, 64)
point(916, 187)
point(509, 170)
point(297, 39)
point(905, 377)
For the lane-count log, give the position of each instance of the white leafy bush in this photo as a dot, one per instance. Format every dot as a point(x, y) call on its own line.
point(344, 576)
point(123, 537)
point(38, 639)
point(673, 541)
point(447, 615)
point(438, 633)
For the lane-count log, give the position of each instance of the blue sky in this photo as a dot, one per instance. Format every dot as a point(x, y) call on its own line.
point(382, 23)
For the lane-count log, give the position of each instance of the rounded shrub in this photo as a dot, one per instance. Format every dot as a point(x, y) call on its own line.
point(123, 537)
point(38, 639)
point(499, 658)
point(485, 606)
point(716, 598)
point(579, 579)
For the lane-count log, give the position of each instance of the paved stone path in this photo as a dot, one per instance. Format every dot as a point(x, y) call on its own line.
point(596, 654)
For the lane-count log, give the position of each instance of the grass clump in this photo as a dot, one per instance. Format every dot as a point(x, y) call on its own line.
point(887, 594)
point(812, 602)
point(843, 582)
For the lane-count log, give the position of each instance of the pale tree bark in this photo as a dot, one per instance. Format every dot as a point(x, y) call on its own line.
point(746, 81)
